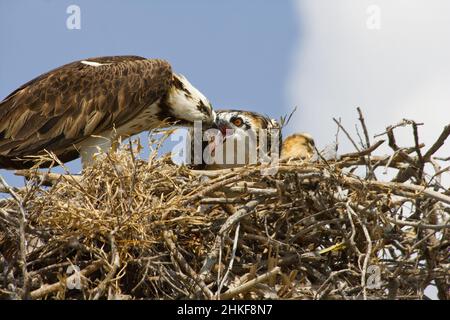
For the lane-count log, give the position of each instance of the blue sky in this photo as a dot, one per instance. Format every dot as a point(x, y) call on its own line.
point(236, 52)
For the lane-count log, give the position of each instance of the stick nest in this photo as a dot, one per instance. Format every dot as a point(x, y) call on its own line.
point(132, 229)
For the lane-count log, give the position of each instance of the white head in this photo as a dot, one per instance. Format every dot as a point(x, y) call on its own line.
point(186, 104)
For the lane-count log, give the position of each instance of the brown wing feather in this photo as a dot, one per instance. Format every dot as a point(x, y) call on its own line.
point(67, 105)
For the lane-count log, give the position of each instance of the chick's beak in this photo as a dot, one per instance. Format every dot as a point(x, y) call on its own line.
point(223, 127)
point(226, 131)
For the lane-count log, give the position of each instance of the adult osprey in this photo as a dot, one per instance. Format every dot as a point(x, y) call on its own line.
point(88, 104)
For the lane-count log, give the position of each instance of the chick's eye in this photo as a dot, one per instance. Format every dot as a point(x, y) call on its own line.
point(237, 122)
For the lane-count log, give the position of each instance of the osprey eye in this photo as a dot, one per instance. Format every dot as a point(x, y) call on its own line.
point(237, 122)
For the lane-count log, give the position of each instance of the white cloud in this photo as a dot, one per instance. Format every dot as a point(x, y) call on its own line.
point(400, 71)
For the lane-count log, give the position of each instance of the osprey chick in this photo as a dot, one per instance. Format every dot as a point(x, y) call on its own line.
point(250, 135)
point(87, 105)
point(236, 124)
point(298, 146)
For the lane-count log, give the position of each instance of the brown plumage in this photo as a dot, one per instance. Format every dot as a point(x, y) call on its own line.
point(59, 110)
point(298, 146)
